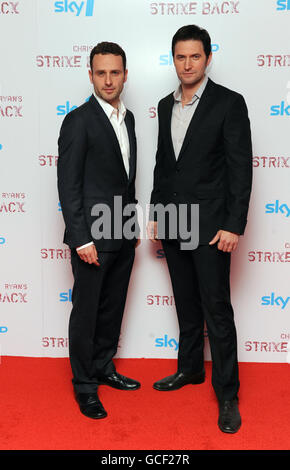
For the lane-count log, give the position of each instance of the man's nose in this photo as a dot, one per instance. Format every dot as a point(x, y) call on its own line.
point(187, 64)
point(108, 79)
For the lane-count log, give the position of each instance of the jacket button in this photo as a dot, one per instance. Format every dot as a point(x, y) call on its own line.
point(174, 194)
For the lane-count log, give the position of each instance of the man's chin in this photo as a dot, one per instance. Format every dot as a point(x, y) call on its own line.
point(190, 82)
point(109, 97)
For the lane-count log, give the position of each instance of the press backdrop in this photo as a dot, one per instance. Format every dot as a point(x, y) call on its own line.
point(45, 46)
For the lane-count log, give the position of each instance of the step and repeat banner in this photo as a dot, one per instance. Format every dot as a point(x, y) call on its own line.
point(44, 56)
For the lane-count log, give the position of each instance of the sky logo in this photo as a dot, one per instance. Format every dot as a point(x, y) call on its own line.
point(167, 59)
point(277, 208)
point(275, 301)
point(282, 109)
point(2, 240)
point(3, 329)
point(75, 7)
point(283, 5)
point(1, 146)
point(64, 109)
point(65, 296)
point(166, 343)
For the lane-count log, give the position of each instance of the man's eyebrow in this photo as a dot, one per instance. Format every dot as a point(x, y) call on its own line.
point(103, 70)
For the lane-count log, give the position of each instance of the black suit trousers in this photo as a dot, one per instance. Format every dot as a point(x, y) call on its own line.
point(98, 299)
point(201, 286)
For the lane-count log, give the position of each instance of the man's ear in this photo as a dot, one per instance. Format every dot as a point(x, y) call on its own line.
point(209, 59)
point(91, 76)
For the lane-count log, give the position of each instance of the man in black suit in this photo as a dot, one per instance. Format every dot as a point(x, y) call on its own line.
point(204, 158)
point(96, 168)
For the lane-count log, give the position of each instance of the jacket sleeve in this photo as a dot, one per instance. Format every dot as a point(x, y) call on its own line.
point(72, 146)
point(157, 171)
point(238, 148)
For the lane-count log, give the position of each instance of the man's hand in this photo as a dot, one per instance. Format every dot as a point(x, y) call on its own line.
point(137, 242)
point(89, 254)
point(228, 241)
point(152, 231)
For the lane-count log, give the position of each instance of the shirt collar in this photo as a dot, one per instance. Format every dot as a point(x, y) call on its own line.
point(198, 93)
point(109, 109)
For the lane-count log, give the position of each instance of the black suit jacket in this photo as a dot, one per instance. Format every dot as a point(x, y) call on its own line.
point(214, 167)
point(91, 170)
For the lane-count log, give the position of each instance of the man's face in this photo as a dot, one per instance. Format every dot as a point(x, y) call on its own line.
point(108, 77)
point(190, 62)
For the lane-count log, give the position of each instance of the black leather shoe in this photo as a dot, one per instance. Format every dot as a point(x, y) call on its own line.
point(178, 380)
point(118, 381)
point(229, 416)
point(90, 405)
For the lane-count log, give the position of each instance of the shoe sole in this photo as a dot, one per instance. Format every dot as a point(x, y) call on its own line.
point(94, 417)
point(117, 388)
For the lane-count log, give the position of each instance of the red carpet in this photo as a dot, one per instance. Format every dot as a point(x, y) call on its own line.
point(38, 411)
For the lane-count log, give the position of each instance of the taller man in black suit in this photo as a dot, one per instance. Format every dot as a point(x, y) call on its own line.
point(204, 157)
point(96, 166)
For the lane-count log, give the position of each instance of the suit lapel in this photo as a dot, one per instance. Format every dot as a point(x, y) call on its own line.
point(201, 110)
point(167, 119)
point(108, 128)
point(131, 136)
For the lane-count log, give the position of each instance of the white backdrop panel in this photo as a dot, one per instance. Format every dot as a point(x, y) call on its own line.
point(44, 48)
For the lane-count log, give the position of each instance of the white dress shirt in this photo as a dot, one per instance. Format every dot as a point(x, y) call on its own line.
point(117, 119)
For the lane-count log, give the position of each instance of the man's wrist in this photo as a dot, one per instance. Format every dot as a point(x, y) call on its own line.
point(84, 246)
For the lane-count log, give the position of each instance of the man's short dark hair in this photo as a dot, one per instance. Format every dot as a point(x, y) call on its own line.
point(108, 48)
point(195, 33)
